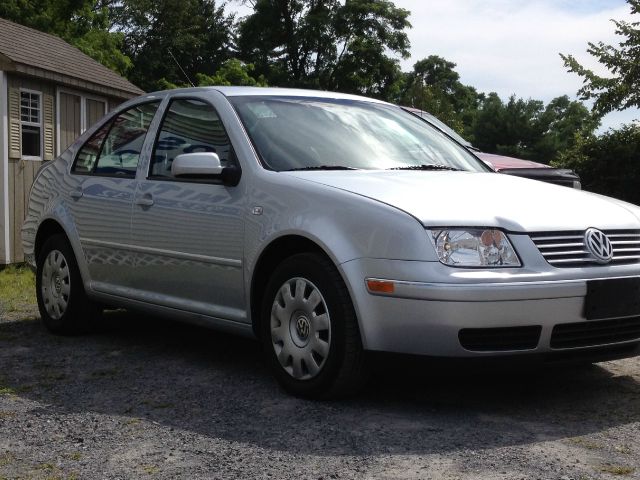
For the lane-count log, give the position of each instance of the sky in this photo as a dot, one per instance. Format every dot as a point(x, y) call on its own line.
point(512, 46)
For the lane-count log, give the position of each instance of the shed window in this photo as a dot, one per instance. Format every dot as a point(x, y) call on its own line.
point(31, 120)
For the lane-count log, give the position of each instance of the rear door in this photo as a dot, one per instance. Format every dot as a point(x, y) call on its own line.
point(101, 197)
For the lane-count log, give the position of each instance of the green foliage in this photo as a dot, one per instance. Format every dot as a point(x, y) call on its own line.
point(434, 86)
point(529, 129)
point(233, 72)
point(197, 33)
point(327, 44)
point(82, 23)
point(608, 164)
point(621, 89)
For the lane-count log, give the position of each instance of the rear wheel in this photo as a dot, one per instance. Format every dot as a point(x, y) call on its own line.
point(309, 329)
point(62, 301)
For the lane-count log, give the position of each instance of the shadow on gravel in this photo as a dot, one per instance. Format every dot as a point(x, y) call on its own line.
point(193, 379)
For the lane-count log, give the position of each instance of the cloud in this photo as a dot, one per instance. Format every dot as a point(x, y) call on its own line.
point(513, 46)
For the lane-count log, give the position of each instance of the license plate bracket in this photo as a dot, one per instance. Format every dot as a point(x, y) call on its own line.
point(612, 298)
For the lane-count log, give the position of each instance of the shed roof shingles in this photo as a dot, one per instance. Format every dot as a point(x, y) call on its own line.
point(31, 47)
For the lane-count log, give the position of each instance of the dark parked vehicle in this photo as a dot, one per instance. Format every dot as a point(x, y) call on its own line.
point(504, 164)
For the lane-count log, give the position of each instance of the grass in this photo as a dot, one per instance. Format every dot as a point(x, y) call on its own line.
point(6, 459)
point(150, 469)
point(586, 443)
point(617, 469)
point(17, 289)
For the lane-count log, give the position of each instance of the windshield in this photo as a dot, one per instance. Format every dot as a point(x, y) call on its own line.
point(445, 128)
point(293, 133)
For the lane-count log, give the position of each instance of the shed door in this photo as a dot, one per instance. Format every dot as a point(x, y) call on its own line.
point(70, 119)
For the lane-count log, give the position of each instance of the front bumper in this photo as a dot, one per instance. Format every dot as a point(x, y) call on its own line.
point(427, 318)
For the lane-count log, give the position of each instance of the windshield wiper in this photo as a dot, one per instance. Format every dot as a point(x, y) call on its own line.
point(319, 167)
point(430, 166)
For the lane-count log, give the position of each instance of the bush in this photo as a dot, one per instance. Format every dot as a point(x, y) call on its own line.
point(608, 164)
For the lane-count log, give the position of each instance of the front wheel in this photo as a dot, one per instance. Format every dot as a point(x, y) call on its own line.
point(309, 329)
point(62, 301)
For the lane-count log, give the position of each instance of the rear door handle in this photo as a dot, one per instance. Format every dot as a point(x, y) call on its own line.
point(77, 193)
point(145, 201)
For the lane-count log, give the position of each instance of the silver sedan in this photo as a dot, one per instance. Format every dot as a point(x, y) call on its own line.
point(326, 225)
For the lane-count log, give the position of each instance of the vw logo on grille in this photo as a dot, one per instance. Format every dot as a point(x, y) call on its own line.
point(598, 245)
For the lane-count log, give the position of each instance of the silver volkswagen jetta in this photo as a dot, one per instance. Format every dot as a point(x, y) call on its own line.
point(326, 225)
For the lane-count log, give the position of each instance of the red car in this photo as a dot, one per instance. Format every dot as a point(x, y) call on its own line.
point(504, 164)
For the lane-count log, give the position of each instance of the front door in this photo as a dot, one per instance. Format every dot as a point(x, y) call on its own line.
point(189, 234)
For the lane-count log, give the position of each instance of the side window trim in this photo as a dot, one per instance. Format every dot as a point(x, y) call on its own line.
point(167, 110)
point(111, 122)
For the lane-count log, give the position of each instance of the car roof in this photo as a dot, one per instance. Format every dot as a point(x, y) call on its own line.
point(268, 91)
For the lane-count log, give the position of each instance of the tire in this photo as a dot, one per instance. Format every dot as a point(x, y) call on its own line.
point(309, 330)
point(62, 301)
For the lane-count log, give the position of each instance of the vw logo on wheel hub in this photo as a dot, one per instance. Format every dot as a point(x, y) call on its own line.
point(302, 327)
point(598, 245)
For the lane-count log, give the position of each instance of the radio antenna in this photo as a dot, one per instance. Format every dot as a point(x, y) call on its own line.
point(181, 69)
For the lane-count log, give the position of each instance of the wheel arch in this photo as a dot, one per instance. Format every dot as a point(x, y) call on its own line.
point(51, 226)
point(272, 255)
point(46, 229)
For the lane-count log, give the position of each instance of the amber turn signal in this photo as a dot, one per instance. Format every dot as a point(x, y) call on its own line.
point(380, 286)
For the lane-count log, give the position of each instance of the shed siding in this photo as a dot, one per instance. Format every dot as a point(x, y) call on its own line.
point(21, 175)
point(69, 119)
point(22, 172)
point(3, 174)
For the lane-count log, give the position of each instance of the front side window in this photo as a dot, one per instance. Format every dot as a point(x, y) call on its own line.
point(31, 123)
point(114, 149)
point(189, 126)
point(121, 149)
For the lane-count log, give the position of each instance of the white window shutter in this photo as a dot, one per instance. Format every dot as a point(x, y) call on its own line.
point(48, 117)
point(15, 128)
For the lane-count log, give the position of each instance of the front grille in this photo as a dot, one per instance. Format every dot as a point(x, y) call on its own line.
point(568, 249)
point(500, 339)
point(602, 332)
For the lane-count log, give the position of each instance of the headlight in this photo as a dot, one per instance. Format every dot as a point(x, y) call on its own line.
point(472, 247)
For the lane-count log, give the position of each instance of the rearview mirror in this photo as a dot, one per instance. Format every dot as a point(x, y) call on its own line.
point(196, 165)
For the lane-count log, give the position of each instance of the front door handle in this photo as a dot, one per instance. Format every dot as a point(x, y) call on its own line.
point(145, 201)
point(76, 193)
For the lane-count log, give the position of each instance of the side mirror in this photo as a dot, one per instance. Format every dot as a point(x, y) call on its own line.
point(196, 165)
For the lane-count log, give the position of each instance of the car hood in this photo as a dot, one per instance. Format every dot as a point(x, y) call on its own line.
point(517, 204)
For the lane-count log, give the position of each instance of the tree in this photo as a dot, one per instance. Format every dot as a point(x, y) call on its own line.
point(560, 122)
point(327, 44)
point(608, 164)
point(196, 33)
point(434, 86)
point(82, 23)
point(529, 129)
point(622, 89)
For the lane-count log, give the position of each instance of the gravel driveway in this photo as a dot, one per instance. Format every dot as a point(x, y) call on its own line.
point(148, 398)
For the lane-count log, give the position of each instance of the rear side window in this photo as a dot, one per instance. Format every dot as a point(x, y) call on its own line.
point(88, 154)
point(115, 148)
point(189, 126)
